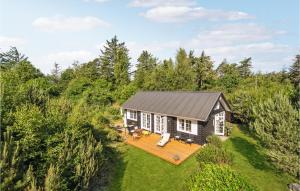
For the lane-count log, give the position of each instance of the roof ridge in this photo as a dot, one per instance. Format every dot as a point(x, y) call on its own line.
point(180, 91)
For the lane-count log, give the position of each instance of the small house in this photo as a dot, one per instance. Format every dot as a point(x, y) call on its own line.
point(189, 115)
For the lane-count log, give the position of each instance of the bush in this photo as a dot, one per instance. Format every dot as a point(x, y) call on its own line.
point(277, 126)
point(214, 140)
point(214, 155)
point(215, 177)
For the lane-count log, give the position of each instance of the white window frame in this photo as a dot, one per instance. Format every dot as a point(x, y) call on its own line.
point(162, 126)
point(215, 122)
point(142, 121)
point(193, 123)
point(129, 112)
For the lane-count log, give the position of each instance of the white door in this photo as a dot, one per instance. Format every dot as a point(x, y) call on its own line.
point(146, 121)
point(160, 124)
point(219, 123)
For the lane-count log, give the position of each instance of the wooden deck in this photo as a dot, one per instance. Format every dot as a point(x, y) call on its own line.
point(171, 149)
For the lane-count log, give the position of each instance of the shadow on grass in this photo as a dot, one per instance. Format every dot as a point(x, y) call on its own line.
point(116, 170)
point(250, 151)
point(112, 172)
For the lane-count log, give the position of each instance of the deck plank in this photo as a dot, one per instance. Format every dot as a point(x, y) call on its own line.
point(148, 144)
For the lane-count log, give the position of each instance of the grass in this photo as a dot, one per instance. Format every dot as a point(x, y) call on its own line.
point(142, 171)
point(251, 162)
point(138, 170)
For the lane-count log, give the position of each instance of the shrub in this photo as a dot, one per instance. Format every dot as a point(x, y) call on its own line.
point(215, 177)
point(214, 140)
point(215, 155)
point(277, 126)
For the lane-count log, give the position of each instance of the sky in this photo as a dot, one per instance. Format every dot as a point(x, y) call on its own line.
point(64, 31)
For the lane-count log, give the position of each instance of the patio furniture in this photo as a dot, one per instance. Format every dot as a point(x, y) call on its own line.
point(135, 136)
point(164, 140)
point(138, 131)
point(189, 141)
point(130, 129)
point(177, 137)
point(119, 128)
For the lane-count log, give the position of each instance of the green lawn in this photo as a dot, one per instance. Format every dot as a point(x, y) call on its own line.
point(250, 161)
point(139, 170)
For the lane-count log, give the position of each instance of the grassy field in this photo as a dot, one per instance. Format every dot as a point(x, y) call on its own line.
point(250, 161)
point(139, 170)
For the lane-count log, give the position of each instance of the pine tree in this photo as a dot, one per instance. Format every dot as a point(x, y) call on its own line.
point(52, 181)
point(146, 64)
point(183, 74)
point(11, 58)
point(55, 73)
point(245, 67)
point(114, 62)
point(276, 123)
point(10, 162)
point(294, 72)
point(90, 161)
point(121, 67)
point(204, 73)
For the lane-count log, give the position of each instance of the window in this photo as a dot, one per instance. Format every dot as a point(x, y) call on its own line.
point(219, 123)
point(188, 125)
point(181, 124)
point(146, 121)
point(160, 124)
point(157, 126)
point(132, 115)
point(217, 106)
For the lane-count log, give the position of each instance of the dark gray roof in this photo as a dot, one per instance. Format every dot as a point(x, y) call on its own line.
point(194, 105)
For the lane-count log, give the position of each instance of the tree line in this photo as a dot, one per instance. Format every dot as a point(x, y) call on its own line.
point(55, 129)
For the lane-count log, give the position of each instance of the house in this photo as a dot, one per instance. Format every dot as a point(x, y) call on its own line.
point(193, 115)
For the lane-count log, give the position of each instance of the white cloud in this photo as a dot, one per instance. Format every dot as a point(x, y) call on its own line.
point(64, 58)
point(62, 23)
point(172, 14)
point(154, 3)
point(98, 1)
point(229, 34)
point(231, 41)
point(6, 41)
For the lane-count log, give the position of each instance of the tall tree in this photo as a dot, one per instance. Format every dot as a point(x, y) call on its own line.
point(228, 76)
point(161, 78)
point(245, 67)
point(55, 73)
point(183, 74)
point(294, 72)
point(114, 62)
point(121, 68)
point(11, 57)
point(204, 73)
point(146, 64)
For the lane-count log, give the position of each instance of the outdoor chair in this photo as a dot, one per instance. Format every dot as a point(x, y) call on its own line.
point(130, 129)
point(135, 136)
point(164, 140)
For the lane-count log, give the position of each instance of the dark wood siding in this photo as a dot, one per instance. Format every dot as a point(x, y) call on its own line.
point(139, 119)
point(152, 123)
point(208, 127)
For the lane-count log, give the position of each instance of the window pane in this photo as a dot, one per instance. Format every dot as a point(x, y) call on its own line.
point(188, 124)
point(181, 124)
